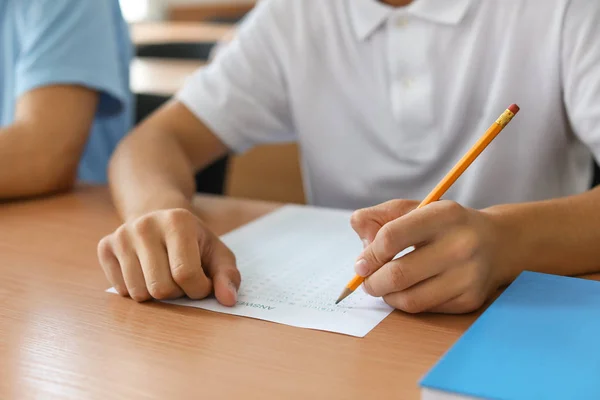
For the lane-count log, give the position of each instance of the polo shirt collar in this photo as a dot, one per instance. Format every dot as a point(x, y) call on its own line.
point(368, 15)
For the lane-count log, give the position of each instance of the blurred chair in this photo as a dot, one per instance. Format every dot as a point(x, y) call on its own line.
point(227, 20)
point(212, 179)
point(596, 180)
point(186, 51)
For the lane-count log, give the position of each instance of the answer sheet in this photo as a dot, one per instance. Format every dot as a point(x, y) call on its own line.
point(294, 263)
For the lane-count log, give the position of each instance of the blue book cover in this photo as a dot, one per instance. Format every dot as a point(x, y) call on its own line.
point(539, 340)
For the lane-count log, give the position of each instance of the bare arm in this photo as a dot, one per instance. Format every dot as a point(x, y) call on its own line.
point(40, 151)
point(556, 236)
point(153, 168)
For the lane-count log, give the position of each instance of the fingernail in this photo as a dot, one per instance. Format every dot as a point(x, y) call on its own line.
point(233, 290)
point(361, 267)
point(365, 243)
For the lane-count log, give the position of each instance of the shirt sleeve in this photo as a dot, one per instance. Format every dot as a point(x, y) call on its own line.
point(581, 70)
point(72, 42)
point(241, 96)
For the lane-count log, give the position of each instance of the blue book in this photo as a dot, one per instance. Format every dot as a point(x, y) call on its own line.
point(539, 340)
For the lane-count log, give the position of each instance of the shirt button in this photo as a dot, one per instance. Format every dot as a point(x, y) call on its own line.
point(401, 22)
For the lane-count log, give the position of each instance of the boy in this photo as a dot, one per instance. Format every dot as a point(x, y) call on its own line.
point(383, 98)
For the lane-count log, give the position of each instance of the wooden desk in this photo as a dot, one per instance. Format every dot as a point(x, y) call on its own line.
point(208, 10)
point(63, 337)
point(161, 76)
point(178, 32)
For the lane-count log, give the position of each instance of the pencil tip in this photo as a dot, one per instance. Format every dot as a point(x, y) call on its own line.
point(347, 292)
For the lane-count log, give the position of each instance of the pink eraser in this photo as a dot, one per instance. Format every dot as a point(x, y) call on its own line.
point(514, 108)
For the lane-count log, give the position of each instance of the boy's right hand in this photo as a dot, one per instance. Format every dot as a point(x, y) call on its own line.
point(167, 254)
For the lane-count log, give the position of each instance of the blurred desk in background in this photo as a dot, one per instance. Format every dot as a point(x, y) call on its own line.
point(219, 11)
point(161, 76)
point(178, 32)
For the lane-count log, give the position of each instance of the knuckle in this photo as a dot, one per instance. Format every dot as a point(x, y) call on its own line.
point(120, 240)
point(368, 287)
point(178, 217)
point(466, 245)
point(386, 236)
point(143, 227)
point(179, 222)
point(397, 276)
point(140, 295)
point(470, 301)
point(450, 206)
point(398, 204)
point(395, 203)
point(183, 274)
point(356, 219)
point(160, 291)
point(410, 305)
point(104, 249)
point(453, 211)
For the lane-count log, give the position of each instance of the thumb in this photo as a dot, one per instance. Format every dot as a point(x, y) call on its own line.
point(220, 266)
point(368, 221)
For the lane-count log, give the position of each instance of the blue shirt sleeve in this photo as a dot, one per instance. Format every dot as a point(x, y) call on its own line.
point(71, 42)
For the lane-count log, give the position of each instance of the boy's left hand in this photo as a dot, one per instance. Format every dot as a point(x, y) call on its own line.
point(456, 264)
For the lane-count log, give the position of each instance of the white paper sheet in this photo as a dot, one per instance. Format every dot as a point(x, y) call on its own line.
point(294, 264)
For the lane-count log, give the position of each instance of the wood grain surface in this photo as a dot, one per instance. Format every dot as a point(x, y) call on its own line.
point(63, 337)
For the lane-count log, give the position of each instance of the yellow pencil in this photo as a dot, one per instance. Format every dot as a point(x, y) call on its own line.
point(450, 178)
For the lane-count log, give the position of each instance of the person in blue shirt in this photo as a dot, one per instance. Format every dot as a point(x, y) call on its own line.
point(64, 100)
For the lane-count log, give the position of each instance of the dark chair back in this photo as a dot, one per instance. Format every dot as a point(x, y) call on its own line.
point(186, 51)
point(227, 20)
point(596, 179)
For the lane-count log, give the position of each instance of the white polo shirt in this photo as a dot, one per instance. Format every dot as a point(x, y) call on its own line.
point(384, 101)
